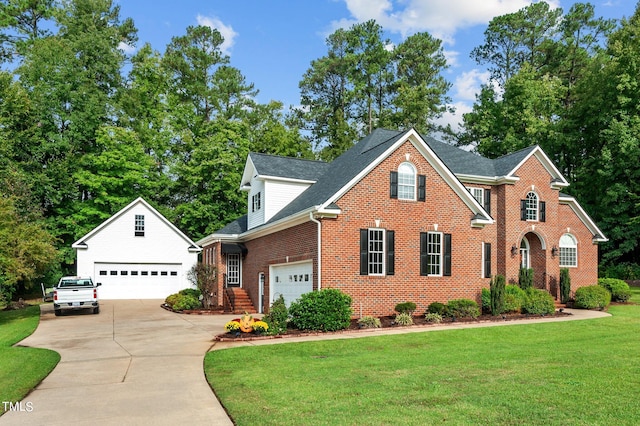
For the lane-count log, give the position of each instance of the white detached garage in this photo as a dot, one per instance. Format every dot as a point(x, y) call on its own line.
point(136, 254)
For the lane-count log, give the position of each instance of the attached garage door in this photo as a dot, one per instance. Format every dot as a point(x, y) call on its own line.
point(138, 280)
point(291, 280)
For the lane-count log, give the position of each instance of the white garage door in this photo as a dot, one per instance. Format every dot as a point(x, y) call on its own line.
point(138, 280)
point(291, 280)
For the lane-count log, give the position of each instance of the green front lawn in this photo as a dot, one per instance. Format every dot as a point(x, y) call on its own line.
point(21, 369)
point(583, 372)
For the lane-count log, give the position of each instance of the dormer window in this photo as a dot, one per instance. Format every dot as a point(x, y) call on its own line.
point(256, 202)
point(139, 225)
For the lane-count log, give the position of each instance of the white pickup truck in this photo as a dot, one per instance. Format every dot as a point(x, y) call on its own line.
point(75, 293)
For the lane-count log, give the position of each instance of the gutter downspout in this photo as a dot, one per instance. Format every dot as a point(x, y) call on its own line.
point(319, 249)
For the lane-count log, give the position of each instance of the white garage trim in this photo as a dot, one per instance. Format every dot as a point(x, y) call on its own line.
point(291, 280)
point(138, 280)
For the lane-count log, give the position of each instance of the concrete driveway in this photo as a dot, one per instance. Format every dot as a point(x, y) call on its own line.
point(133, 364)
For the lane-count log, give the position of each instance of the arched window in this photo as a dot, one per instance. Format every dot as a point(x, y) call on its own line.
point(568, 251)
point(532, 206)
point(406, 182)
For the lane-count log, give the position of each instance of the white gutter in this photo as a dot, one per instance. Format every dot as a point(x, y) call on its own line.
point(319, 249)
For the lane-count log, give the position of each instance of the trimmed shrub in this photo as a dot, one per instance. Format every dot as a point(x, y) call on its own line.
point(592, 297)
point(565, 285)
point(193, 292)
point(433, 317)
point(277, 316)
point(325, 310)
point(172, 299)
point(538, 302)
point(404, 319)
point(369, 322)
point(525, 280)
point(485, 296)
point(185, 302)
point(405, 308)
point(437, 308)
point(619, 289)
point(463, 308)
point(513, 298)
point(497, 294)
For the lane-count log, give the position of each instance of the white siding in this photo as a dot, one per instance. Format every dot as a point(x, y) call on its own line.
point(279, 194)
point(256, 218)
point(116, 243)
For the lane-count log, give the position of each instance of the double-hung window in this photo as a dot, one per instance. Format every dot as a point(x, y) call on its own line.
point(256, 202)
point(435, 254)
point(406, 184)
point(568, 251)
point(377, 252)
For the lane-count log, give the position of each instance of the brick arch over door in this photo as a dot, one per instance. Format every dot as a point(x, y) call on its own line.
point(537, 258)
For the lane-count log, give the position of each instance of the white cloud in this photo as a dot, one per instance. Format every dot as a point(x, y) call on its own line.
point(441, 18)
point(225, 30)
point(126, 48)
point(455, 118)
point(467, 84)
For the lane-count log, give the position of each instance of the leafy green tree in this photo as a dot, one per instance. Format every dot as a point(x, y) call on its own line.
point(363, 83)
point(21, 22)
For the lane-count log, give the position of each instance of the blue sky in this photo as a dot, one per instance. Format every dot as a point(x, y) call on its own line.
point(272, 42)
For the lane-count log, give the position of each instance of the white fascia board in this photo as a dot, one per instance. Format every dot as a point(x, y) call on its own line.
point(546, 163)
point(585, 218)
point(284, 179)
point(81, 244)
point(487, 180)
point(247, 174)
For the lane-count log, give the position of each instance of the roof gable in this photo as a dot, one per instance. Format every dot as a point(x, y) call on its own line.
point(81, 243)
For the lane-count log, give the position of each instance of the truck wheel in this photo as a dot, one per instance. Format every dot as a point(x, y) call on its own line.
point(96, 310)
point(58, 312)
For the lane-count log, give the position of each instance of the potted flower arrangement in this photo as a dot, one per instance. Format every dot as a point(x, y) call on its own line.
point(246, 324)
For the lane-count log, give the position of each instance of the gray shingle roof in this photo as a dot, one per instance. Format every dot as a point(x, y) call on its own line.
point(287, 167)
point(331, 177)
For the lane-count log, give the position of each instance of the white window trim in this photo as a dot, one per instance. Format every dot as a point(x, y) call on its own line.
point(239, 282)
point(574, 247)
point(525, 254)
point(383, 252)
point(482, 274)
point(440, 255)
point(474, 191)
point(414, 185)
point(534, 210)
point(256, 202)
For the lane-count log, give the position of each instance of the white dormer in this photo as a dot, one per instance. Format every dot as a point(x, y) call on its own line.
point(273, 182)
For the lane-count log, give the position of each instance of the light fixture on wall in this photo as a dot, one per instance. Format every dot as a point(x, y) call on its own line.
point(554, 251)
point(514, 250)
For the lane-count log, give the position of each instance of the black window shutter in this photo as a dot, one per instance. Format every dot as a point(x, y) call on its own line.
point(391, 252)
point(364, 252)
point(424, 259)
point(446, 255)
point(523, 209)
point(422, 187)
point(393, 189)
point(487, 200)
point(487, 260)
point(543, 211)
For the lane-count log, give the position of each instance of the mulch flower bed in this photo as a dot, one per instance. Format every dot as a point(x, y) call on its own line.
point(386, 322)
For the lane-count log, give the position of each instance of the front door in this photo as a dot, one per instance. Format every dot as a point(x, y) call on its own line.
point(234, 270)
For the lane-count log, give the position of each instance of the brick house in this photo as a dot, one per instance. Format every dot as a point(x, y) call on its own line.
point(400, 217)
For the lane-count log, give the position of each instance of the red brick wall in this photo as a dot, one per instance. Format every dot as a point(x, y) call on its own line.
point(369, 201)
point(291, 245)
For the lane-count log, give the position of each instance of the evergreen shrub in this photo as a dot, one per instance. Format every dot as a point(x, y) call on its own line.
point(619, 289)
point(463, 308)
point(592, 297)
point(325, 310)
point(538, 302)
